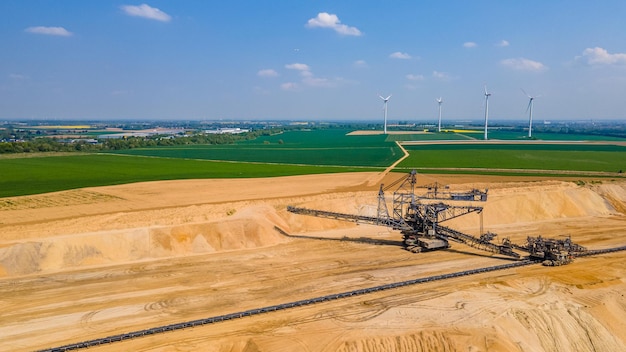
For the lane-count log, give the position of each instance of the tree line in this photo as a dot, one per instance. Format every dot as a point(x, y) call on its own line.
point(47, 144)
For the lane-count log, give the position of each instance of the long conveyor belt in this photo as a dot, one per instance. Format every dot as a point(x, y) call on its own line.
point(304, 302)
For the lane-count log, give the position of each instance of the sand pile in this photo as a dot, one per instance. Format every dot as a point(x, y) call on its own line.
point(359, 203)
point(252, 228)
point(614, 194)
point(208, 228)
point(537, 203)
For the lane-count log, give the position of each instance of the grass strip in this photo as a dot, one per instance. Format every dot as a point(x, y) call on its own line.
point(33, 175)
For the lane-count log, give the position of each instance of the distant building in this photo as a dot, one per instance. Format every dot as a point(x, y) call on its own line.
point(227, 130)
point(144, 133)
point(85, 140)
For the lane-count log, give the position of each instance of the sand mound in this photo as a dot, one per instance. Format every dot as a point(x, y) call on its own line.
point(253, 228)
point(615, 194)
point(536, 203)
point(541, 203)
point(150, 233)
point(361, 203)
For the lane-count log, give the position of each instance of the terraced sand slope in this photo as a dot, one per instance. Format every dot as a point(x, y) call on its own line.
point(94, 262)
point(119, 224)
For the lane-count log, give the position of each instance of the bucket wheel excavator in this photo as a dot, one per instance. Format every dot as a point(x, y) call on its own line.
point(419, 216)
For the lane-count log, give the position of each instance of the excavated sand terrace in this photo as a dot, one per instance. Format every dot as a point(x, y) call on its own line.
point(94, 262)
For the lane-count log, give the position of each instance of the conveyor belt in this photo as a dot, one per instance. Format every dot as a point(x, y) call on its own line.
point(304, 302)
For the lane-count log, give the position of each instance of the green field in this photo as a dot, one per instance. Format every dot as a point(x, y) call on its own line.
point(574, 157)
point(296, 153)
point(496, 134)
point(519, 135)
point(289, 153)
point(33, 175)
point(318, 147)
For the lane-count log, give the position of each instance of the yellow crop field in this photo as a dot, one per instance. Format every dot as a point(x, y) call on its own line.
point(62, 127)
point(463, 131)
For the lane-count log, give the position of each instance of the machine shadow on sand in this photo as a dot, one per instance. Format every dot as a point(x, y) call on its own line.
point(366, 240)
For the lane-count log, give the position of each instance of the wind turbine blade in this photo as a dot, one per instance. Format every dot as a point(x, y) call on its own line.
point(388, 97)
point(381, 97)
point(486, 90)
point(528, 106)
point(526, 94)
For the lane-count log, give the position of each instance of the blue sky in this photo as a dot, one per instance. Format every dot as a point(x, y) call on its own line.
point(311, 60)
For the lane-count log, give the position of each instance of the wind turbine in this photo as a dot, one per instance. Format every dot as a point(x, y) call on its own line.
point(487, 95)
point(440, 101)
point(385, 100)
point(530, 115)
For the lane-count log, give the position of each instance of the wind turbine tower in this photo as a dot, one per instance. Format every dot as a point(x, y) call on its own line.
point(530, 113)
point(385, 100)
point(487, 95)
point(439, 101)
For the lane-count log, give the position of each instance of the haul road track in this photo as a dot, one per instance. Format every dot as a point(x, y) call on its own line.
point(305, 302)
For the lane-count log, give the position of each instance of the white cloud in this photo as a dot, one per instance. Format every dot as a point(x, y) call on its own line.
point(298, 67)
point(289, 86)
point(503, 43)
point(600, 56)
point(412, 77)
point(360, 64)
point(58, 31)
point(308, 78)
point(522, 64)
point(304, 69)
point(399, 55)
point(443, 76)
point(469, 45)
point(327, 20)
point(146, 11)
point(267, 73)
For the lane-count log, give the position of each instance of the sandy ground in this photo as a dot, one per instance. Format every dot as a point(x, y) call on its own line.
point(94, 262)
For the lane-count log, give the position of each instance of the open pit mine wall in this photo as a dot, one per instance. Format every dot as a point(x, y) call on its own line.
point(122, 246)
point(252, 228)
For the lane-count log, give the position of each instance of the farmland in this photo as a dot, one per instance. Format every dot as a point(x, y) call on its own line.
point(574, 157)
point(317, 147)
point(498, 134)
point(292, 153)
point(301, 152)
point(33, 175)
